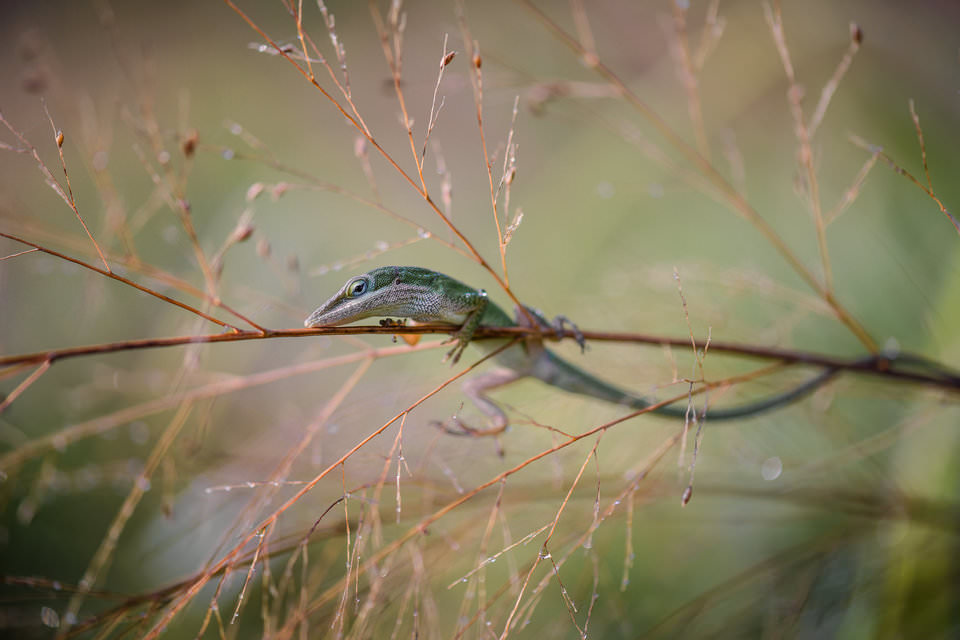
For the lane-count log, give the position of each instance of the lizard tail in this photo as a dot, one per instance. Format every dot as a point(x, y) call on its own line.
point(559, 373)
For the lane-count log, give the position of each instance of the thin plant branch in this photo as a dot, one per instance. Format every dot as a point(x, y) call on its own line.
point(804, 135)
point(66, 196)
point(729, 194)
point(880, 153)
point(122, 279)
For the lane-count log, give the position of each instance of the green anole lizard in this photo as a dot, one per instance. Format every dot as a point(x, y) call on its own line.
point(424, 295)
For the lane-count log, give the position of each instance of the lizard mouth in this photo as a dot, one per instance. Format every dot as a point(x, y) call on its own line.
point(319, 318)
point(335, 312)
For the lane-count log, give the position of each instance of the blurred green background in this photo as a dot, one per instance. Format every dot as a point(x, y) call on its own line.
point(833, 518)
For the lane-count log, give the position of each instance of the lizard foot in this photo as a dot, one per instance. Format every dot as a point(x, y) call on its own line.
point(558, 324)
point(457, 427)
point(454, 354)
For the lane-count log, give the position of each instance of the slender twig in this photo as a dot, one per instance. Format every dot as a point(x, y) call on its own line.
point(476, 81)
point(133, 264)
point(122, 279)
point(852, 191)
point(103, 424)
point(730, 196)
point(879, 152)
point(830, 88)
point(426, 522)
point(688, 73)
point(804, 135)
point(476, 256)
point(544, 553)
point(101, 559)
point(19, 253)
point(20, 388)
point(923, 145)
point(66, 196)
point(931, 374)
point(187, 594)
point(394, 57)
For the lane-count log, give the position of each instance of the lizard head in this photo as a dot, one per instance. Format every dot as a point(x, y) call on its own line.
point(386, 291)
point(357, 299)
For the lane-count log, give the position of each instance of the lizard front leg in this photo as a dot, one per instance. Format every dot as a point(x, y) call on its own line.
point(476, 302)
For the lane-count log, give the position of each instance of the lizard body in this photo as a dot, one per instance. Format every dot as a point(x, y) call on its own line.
point(424, 295)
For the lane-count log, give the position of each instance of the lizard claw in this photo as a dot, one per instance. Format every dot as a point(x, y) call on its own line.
point(454, 354)
point(558, 326)
point(463, 429)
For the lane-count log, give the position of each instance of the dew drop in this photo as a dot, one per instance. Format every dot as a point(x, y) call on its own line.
point(49, 617)
point(771, 468)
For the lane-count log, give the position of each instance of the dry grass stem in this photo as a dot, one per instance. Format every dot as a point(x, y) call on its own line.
point(804, 134)
point(66, 196)
point(878, 151)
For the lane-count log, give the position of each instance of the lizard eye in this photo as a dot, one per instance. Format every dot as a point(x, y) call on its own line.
point(356, 288)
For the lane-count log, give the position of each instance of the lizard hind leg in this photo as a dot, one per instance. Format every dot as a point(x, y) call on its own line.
point(558, 324)
point(475, 388)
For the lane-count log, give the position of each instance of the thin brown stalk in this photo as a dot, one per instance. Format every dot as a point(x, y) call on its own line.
point(713, 28)
point(932, 374)
point(476, 81)
point(427, 521)
point(298, 17)
point(688, 74)
point(181, 206)
point(445, 59)
point(731, 197)
point(851, 193)
point(101, 559)
point(229, 558)
point(393, 54)
point(19, 253)
point(477, 586)
point(338, 48)
point(342, 87)
point(544, 553)
point(584, 32)
point(923, 146)
point(642, 473)
point(804, 136)
point(690, 414)
point(133, 264)
point(282, 470)
point(74, 433)
point(830, 88)
point(24, 385)
point(262, 536)
point(360, 151)
point(280, 188)
point(66, 196)
point(122, 279)
point(879, 152)
point(476, 256)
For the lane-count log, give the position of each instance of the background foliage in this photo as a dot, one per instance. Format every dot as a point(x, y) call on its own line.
point(836, 516)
